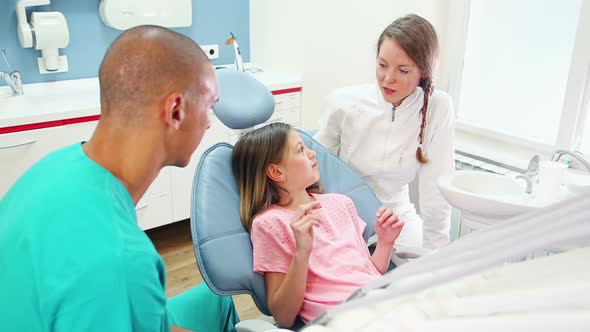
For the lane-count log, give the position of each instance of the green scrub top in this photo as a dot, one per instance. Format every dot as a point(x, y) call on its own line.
point(72, 257)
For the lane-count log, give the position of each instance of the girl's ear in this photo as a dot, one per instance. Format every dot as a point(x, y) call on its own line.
point(274, 173)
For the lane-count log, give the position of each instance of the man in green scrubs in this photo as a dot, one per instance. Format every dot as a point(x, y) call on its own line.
point(72, 257)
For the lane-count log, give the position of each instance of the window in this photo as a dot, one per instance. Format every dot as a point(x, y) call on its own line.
point(524, 69)
point(585, 148)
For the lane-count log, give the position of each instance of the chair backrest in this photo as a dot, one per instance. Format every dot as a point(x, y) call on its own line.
point(222, 246)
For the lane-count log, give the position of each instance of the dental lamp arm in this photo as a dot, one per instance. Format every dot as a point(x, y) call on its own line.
point(25, 34)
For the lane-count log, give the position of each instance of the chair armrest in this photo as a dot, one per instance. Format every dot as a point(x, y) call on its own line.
point(256, 325)
point(405, 254)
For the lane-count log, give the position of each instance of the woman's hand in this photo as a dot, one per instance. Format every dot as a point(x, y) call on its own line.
point(304, 219)
point(388, 226)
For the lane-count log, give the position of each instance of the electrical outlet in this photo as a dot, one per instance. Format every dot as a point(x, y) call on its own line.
point(212, 51)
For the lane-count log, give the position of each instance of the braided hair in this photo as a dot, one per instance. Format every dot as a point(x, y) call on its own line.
point(418, 39)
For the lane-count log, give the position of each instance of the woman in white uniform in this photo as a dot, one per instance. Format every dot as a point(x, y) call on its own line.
point(397, 129)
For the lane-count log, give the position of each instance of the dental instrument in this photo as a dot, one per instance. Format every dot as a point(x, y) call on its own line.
point(238, 62)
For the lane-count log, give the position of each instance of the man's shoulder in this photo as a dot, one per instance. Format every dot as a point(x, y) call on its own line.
point(64, 182)
point(67, 206)
point(55, 172)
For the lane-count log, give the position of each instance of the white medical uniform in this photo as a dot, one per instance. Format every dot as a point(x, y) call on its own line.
point(357, 126)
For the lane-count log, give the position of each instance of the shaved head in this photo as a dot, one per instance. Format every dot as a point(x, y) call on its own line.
point(142, 66)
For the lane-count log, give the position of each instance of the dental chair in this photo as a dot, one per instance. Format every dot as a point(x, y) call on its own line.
point(222, 246)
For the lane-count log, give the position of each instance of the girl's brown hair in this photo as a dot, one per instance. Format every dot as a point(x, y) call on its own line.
point(250, 158)
point(418, 39)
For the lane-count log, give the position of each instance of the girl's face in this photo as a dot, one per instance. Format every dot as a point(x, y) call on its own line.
point(397, 75)
point(299, 166)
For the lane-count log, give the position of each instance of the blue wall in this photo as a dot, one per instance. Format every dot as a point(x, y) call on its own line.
point(213, 20)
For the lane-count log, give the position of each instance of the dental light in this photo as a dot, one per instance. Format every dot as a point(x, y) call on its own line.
point(47, 31)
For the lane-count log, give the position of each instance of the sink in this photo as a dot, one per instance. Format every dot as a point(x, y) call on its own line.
point(49, 101)
point(485, 198)
point(577, 182)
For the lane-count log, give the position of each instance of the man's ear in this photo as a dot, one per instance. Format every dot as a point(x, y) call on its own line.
point(174, 110)
point(274, 173)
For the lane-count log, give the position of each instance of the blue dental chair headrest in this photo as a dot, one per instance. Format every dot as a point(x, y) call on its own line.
point(243, 101)
point(222, 246)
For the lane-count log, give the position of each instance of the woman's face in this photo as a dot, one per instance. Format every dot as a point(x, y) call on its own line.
point(397, 75)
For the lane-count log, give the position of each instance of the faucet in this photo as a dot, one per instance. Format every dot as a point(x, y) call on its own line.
point(576, 154)
point(531, 171)
point(13, 79)
point(14, 82)
point(529, 182)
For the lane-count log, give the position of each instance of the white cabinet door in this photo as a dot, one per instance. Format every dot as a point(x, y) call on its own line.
point(287, 109)
point(155, 207)
point(20, 150)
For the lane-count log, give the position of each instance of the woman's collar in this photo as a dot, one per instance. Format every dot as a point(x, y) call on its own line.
point(409, 102)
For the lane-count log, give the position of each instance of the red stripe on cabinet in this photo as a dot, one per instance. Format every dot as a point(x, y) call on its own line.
point(63, 122)
point(48, 124)
point(284, 91)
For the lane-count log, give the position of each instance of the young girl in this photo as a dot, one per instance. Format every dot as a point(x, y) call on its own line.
point(309, 246)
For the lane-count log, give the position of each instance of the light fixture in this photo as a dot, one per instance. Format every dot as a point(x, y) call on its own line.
point(125, 14)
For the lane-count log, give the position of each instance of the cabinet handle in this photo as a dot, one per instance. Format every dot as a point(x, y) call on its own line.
point(144, 205)
point(141, 207)
point(17, 144)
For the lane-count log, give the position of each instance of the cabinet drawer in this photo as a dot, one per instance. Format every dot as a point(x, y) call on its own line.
point(153, 211)
point(161, 183)
point(287, 100)
point(20, 150)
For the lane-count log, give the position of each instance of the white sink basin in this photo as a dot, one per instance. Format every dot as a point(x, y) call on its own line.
point(49, 101)
point(485, 198)
point(577, 182)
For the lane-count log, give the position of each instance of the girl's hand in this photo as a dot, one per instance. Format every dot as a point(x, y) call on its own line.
point(302, 223)
point(387, 226)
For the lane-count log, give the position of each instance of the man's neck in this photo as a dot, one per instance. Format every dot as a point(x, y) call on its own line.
point(136, 164)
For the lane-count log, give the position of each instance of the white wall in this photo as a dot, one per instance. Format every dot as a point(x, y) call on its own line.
point(332, 42)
